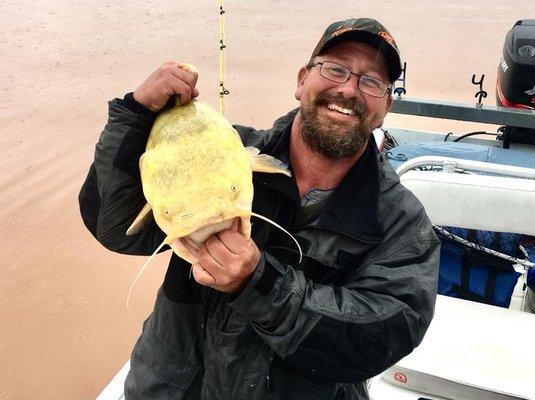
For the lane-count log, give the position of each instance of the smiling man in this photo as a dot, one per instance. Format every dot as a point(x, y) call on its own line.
point(251, 322)
point(340, 108)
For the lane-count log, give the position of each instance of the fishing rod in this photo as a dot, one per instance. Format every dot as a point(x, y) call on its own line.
point(222, 60)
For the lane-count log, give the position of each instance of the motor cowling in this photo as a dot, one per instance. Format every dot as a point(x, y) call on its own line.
point(515, 86)
point(516, 73)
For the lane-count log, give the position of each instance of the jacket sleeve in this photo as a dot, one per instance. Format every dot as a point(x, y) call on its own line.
point(352, 332)
point(112, 196)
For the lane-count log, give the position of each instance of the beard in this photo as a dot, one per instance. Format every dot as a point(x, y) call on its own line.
point(332, 140)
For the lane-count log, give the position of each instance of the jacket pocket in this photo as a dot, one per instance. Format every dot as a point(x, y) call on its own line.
point(162, 366)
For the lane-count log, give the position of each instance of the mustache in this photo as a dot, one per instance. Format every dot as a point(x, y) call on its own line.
point(339, 100)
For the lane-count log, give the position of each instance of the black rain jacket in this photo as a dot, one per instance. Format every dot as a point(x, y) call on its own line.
point(361, 299)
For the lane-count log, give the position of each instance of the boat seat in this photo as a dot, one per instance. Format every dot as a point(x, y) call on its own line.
point(484, 202)
point(474, 201)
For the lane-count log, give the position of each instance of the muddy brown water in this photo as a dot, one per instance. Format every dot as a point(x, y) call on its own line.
point(64, 330)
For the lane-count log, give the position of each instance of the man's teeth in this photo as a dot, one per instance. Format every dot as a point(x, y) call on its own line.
point(334, 107)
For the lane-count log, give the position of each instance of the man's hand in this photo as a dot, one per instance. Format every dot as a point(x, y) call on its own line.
point(226, 261)
point(170, 79)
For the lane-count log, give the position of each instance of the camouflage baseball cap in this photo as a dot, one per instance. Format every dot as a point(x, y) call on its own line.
point(365, 30)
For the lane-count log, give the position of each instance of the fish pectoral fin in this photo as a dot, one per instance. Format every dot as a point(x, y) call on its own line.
point(141, 221)
point(189, 67)
point(266, 163)
point(252, 151)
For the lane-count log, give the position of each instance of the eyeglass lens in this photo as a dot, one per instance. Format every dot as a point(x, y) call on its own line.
point(341, 74)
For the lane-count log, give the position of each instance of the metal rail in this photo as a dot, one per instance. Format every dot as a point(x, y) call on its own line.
point(450, 164)
point(465, 112)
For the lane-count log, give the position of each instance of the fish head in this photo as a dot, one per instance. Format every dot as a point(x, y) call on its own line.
point(188, 196)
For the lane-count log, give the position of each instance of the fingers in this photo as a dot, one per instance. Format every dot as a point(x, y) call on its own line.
point(233, 241)
point(184, 83)
point(187, 75)
point(168, 80)
point(226, 261)
point(212, 272)
point(201, 276)
point(215, 255)
point(180, 88)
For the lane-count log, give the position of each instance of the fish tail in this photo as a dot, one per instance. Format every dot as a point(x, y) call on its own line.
point(189, 67)
point(282, 229)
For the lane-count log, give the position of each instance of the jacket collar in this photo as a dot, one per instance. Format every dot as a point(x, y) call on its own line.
point(353, 208)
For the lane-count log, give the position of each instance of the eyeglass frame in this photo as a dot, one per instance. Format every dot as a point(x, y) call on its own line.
point(320, 63)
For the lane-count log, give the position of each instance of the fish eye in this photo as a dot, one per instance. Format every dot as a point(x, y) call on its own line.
point(166, 211)
point(233, 188)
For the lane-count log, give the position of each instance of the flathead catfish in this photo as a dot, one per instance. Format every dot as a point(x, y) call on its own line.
point(197, 178)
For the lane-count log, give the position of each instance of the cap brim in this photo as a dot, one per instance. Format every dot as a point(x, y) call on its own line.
point(390, 54)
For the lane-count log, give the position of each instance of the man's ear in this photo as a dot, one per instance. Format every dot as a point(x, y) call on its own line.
point(389, 103)
point(301, 77)
point(387, 107)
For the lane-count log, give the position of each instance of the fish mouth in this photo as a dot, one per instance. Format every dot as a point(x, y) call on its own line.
point(199, 236)
point(192, 242)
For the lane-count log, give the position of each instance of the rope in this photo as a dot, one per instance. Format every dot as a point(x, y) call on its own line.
point(448, 235)
point(222, 60)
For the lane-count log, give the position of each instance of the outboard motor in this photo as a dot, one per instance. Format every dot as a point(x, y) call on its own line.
point(515, 87)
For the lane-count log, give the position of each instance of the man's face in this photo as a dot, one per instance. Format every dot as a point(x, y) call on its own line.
point(337, 118)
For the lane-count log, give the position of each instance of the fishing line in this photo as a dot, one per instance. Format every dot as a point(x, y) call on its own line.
point(254, 31)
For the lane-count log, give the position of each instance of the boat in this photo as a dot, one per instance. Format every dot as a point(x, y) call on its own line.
point(476, 347)
point(472, 350)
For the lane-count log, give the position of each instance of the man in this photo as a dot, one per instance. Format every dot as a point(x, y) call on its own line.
point(252, 322)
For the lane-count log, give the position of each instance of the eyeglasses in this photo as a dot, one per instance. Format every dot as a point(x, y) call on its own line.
point(340, 74)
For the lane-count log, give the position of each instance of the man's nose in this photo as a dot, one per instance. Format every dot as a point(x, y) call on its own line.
point(350, 88)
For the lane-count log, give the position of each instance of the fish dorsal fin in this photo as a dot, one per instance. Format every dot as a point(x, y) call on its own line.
point(167, 240)
point(266, 163)
point(141, 221)
point(282, 229)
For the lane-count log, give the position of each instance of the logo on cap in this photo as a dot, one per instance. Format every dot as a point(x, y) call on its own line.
point(386, 37)
point(344, 29)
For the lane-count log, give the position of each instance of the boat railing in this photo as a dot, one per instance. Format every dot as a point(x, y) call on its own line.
point(449, 164)
point(465, 112)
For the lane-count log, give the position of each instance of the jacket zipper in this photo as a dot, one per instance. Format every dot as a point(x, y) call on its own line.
point(205, 294)
point(269, 384)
